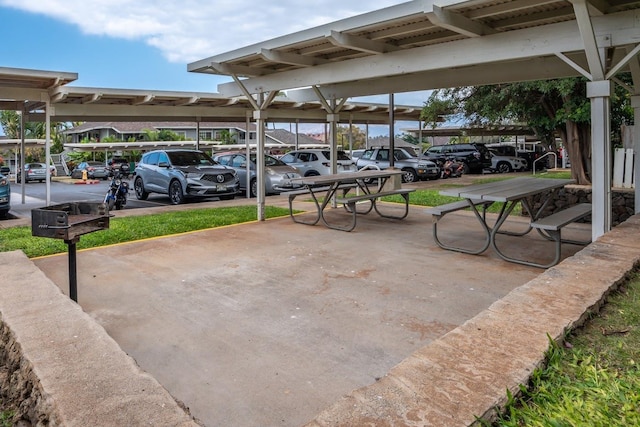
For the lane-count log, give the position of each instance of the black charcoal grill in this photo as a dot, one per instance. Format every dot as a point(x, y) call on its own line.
point(69, 221)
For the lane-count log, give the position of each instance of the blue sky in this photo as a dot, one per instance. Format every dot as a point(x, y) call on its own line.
point(147, 44)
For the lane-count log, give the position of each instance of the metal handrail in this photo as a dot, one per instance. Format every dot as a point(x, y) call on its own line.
point(549, 153)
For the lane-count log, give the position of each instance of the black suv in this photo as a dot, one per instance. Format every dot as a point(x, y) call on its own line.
point(475, 157)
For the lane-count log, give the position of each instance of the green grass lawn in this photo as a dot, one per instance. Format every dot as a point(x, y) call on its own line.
point(131, 228)
point(594, 380)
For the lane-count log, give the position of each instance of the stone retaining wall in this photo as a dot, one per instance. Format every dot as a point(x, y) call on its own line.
point(622, 201)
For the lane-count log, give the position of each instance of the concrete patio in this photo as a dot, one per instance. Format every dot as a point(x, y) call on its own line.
point(266, 324)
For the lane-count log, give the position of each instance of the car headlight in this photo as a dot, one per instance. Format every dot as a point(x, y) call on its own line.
point(191, 175)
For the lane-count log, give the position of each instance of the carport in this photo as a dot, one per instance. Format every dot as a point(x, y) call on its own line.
point(421, 45)
point(43, 96)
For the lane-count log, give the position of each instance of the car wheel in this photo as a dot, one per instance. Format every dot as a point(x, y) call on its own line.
point(465, 168)
point(175, 192)
point(138, 186)
point(409, 175)
point(254, 188)
point(312, 173)
point(504, 167)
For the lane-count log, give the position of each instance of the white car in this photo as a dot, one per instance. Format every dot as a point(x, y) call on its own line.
point(504, 164)
point(312, 162)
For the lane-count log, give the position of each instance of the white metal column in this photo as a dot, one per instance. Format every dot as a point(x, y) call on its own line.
point(635, 103)
point(599, 92)
point(260, 117)
point(47, 149)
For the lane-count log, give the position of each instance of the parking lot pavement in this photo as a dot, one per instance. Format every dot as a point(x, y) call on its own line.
point(268, 323)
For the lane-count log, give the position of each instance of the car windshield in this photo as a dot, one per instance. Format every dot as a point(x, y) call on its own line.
point(268, 160)
point(190, 158)
point(401, 155)
point(341, 155)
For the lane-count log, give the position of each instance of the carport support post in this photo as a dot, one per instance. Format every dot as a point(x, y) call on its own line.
point(599, 92)
point(333, 123)
point(260, 116)
point(635, 103)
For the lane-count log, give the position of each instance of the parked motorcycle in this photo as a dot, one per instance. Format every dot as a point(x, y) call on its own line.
point(116, 196)
point(451, 169)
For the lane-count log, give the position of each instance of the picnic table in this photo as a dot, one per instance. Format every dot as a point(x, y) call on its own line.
point(509, 193)
point(368, 185)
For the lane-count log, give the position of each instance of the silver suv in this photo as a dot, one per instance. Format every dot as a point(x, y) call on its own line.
point(413, 168)
point(311, 162)
point(184, 173)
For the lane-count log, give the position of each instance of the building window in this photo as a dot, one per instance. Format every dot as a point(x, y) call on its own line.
point(206, 135)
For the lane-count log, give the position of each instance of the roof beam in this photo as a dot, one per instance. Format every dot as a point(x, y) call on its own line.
point(361, 44)
point(238, 70)
point(90, 99)
point(187, 101)
point(141, 100)
point(492, 73)
point(583, 18)
point(620, 28)
point(290, 58)
point(598, 7)
point(458, 23)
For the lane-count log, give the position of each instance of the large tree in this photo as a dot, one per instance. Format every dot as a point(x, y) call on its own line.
point(551, 107)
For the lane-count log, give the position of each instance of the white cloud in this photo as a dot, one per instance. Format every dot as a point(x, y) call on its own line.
point(189, 30)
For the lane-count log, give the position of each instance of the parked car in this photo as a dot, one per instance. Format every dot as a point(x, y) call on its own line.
point(183, 174)
point(413, 168)
point(5, 195)
point(278, 175)
point(356, 154)
point(114, 164)
point(504, 164)
point(34, 172)
point(311, 162)
point(95, 170)
point(528, 151)
point(475, 157)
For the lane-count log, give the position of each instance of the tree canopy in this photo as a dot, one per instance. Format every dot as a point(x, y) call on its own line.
point(552, 108)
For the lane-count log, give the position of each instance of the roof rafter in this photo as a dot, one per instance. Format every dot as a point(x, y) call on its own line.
point(360, 43)
point(458, 23)
point(239, 70)
point(290, 58)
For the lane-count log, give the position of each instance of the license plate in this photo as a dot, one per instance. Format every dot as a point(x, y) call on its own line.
point(221, 188)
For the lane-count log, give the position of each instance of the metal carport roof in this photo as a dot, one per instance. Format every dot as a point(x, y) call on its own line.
point(429, 44)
